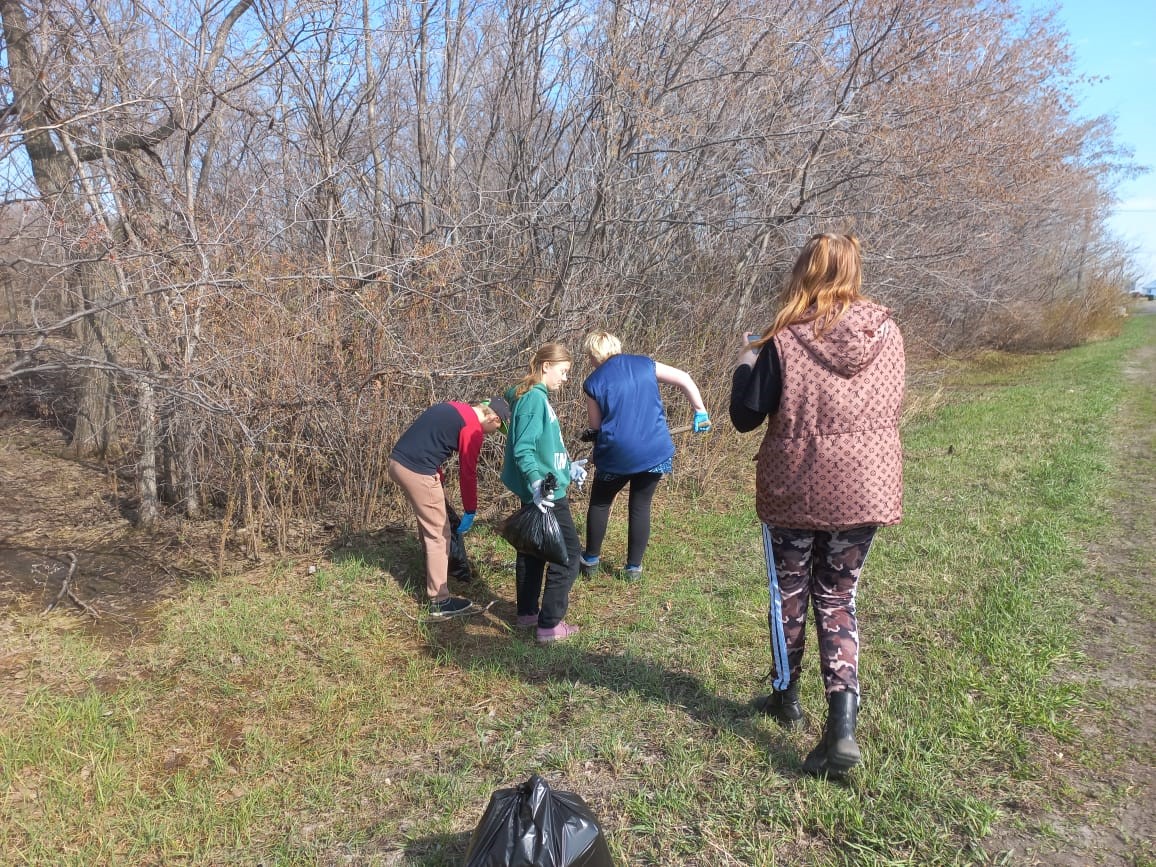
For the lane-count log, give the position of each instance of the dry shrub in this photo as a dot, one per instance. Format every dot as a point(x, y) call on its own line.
point(303, 434)
point(1060, 323)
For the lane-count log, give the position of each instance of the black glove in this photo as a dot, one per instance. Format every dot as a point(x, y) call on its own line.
point(589, 435)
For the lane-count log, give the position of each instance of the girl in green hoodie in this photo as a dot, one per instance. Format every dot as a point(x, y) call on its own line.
point(534, 449)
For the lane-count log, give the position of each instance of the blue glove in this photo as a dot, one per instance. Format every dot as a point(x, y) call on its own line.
point(578, 472)
point(701, 422)
point(466, 522)
point(542, 502)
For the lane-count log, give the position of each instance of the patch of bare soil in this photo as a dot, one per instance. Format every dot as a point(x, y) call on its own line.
point(1111, 817)
point(67, 541)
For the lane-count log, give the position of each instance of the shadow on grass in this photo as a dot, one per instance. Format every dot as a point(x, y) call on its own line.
point(438, 850)
point(396, 551)
point(627, 673)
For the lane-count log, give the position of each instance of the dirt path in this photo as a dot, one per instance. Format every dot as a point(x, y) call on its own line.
point(1113, 820)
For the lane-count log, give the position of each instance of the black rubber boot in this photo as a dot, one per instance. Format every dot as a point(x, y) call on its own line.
point(836, 753)
point(816, 762)
point(782, 706)
point(842, 751)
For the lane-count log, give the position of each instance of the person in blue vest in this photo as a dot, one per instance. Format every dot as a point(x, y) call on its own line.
point(632, 444)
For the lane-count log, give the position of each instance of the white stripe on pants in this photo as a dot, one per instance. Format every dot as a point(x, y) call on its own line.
point(775, 616)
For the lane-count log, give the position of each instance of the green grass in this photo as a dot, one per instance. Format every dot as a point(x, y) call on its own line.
point(288, 717)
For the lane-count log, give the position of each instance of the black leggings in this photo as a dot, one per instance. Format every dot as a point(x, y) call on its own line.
point(602, 494)
point(551, 602)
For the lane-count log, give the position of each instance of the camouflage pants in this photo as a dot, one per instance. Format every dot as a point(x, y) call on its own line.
point(820, 568)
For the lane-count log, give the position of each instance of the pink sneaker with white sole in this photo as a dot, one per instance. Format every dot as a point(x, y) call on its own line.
point(556, 633)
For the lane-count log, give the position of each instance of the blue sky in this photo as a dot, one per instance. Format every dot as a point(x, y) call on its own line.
point(1116, 39)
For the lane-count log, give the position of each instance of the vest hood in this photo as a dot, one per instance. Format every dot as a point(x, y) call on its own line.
point(852, 343)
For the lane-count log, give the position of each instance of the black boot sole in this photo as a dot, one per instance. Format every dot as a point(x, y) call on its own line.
point(822, 762)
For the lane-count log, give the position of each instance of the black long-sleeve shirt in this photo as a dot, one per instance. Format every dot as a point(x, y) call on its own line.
point(756, 391)
point(436, 434)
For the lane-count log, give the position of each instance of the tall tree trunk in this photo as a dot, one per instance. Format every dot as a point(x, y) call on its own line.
point(147, 465)
point(378, 248)
point(54, 174)
point(422, 112)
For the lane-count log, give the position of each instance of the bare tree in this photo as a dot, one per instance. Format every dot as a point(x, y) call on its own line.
point(262, 236)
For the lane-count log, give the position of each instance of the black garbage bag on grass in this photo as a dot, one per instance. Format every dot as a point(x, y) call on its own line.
point(532, 825)
point(460, 566)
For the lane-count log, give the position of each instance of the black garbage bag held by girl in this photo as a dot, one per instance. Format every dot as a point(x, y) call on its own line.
point(535, 531)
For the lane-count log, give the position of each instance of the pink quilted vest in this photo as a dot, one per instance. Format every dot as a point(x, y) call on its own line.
point(831, 458)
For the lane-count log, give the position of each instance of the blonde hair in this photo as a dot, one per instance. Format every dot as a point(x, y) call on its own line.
point(548, 353)
point(600, 345)
point(825, 281)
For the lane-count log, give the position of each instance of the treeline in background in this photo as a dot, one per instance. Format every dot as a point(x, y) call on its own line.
point(243, 243)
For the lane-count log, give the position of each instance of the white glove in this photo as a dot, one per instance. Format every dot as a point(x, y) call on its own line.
point(578, 472)
point(542, 502)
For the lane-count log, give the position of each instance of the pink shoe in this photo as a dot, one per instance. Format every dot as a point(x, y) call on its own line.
point(556, 633)
point(525, 621)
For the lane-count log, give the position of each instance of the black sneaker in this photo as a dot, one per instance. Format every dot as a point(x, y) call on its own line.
point(453, 606)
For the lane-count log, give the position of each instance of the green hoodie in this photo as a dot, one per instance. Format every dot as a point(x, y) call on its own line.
point(534, 445)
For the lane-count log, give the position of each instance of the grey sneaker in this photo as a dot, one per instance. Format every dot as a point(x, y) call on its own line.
point(453, 606)
point(588, 565)
point(631, 574)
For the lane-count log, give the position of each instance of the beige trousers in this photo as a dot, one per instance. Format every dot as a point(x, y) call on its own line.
point(428, 501)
